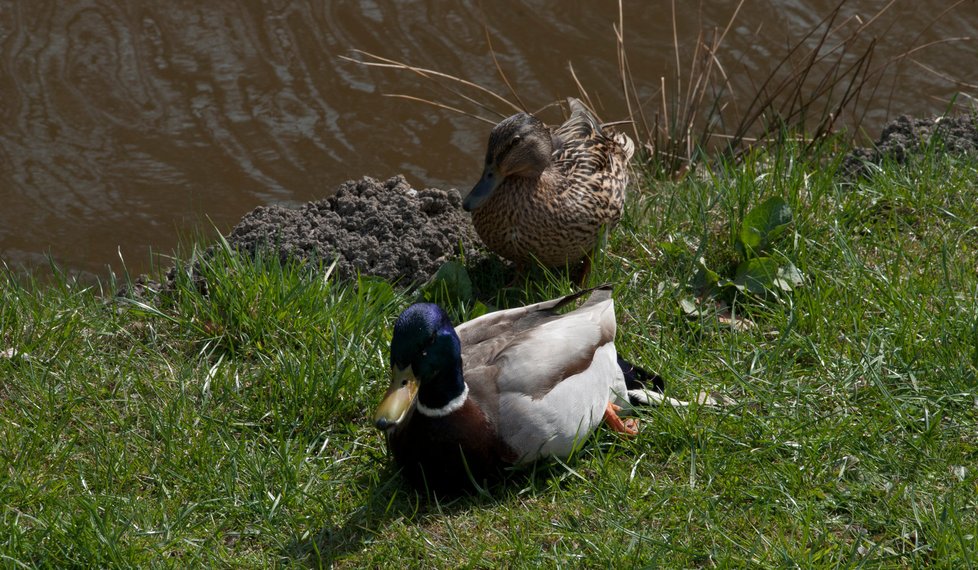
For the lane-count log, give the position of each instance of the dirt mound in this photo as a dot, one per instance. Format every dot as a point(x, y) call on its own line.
point(385, 229)
point(905, 136)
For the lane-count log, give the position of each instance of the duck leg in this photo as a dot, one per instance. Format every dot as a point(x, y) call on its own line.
point(519, 274)
point(585, 273)
point(599, 246)
point(627, 427)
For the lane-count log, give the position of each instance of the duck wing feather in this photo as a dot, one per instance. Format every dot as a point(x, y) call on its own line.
point(543, 378)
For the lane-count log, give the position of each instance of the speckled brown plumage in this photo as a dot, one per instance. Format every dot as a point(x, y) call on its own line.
point(549, 194)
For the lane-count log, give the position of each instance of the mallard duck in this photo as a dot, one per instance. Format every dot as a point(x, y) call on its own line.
point(547, 195)
point(504, 389)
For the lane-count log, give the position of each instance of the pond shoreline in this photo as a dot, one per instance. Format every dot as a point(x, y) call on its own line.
point(389, 230)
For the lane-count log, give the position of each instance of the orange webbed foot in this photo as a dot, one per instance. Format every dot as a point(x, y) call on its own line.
point(627, 427)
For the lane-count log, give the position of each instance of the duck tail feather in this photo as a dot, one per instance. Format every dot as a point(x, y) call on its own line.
point(582, 121)
point(638, 378)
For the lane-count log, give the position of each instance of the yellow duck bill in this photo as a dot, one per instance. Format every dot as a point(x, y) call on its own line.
point(398, 400)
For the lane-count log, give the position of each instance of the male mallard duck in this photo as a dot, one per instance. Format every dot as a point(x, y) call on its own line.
point(546, 194)
point(504, 389)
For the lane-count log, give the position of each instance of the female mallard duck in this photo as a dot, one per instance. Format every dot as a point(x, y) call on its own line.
point(546, 194)
point(504, 389)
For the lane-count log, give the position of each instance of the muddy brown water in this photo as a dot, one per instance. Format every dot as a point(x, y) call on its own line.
point(127, 126)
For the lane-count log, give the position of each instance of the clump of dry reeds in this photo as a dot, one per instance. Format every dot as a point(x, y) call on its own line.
point(826, 78)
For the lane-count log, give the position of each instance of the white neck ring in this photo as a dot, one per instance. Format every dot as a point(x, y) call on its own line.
point(453, 405)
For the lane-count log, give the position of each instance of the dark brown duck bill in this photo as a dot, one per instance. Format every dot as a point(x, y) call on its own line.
point(483, 189)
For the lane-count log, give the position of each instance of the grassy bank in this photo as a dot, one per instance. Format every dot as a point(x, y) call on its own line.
point(232, 428)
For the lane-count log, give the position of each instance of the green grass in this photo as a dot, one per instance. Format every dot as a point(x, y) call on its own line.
point(232, 428)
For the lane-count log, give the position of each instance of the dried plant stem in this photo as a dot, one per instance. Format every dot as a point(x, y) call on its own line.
point(826, 74)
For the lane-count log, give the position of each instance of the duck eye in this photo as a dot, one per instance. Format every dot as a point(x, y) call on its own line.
point(516, 140)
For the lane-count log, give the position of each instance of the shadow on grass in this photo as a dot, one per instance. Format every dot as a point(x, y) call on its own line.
point(390, 498)
point(499, 283)
point(386, 501)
